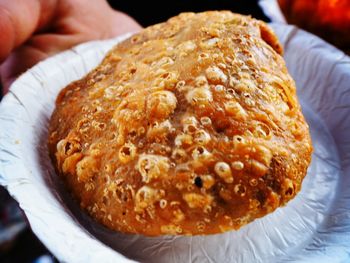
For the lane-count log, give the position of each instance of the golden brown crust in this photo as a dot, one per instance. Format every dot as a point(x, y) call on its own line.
point(190, 127)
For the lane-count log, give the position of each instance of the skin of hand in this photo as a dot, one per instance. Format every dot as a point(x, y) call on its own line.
point(32, 30)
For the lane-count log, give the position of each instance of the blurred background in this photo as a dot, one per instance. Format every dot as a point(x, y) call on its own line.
point(329, 19)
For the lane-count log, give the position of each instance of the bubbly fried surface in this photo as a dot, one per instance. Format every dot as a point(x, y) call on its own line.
point(190, 127)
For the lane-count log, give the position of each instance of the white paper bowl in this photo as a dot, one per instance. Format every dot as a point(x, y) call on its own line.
point(313, 227)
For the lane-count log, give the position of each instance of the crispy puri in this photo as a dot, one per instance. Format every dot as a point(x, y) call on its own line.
point(191, 126)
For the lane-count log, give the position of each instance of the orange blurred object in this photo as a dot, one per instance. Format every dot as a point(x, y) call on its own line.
point(330, 19)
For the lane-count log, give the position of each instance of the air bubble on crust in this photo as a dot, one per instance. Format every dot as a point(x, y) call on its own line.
point(107, 168)
point(201, 137)
point(183, 168)
point(180, 85)
point(146, 197)
point(208, 181)
point(253, 182)
point(127, 153)
point(141, 130)
point(258, 168)
point(240, 189)
point(98, 125)
point(134, 39)
point(152, 166)
point(296, 130)
point(201, 81)
point(233, 81)
point(200, 226)
point(262, 130)
point(248, 99)
point(263, 154)
point(86, 168)
point(161, 104)
point(159, 72)
point(164, 62)
point(190, 188)
point(189, 128)
point(69, 164)
point(113, 92)
point(216, 75)
point(194, 200)
point(89, 186)
point(52, 137)
point(222, 65)
point(253, 204)
point(288, 188)
point(178, 154)
point(207, 209)
point(187, 46)
point(189, 120)
point(159, 148)
point(203, 57)
point(200, 153)
point(114, 57)
point(237, 165)
point(163, 203)
point(67, 147)
point(167, 80)
point(242, 87)
point(159, 130)
point(109, 217)
point(95, 152)
point(212, 42)
point(205, 121)
point(238, 140)
point(171, 229)
point(230, 93)
point(178, 214)
point(225, 194)
point(212, 30)
point(219, 88)
point(233, 108)
point(199, 96)
point(273, 201)
point(183, 140)
point(83, 125)
point(223, 170)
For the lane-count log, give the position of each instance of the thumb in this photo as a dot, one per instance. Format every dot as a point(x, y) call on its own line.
point(19, 19)
point(15, 64)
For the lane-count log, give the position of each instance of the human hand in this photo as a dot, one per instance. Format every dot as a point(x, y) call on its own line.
point(32, 30)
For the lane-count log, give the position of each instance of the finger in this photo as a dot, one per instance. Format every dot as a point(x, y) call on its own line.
point(19, 61)
point(51, 44)
point(36, 49)
point(19, 19)
point(122, 23)
point(102, 21)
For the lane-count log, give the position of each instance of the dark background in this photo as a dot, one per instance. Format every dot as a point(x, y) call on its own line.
point(152, 12)
point(26, 247)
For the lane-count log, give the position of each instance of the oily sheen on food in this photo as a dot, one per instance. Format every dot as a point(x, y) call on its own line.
point(188, 127)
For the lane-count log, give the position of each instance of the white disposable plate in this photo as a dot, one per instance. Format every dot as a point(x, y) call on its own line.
point(313, 227)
